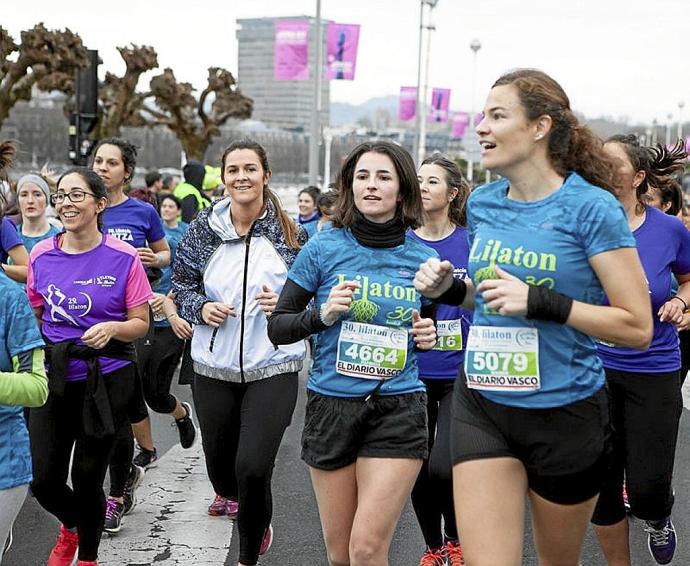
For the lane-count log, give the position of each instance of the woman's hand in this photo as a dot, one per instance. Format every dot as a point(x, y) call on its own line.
point(424, 331)
point(685, 323)
point(214, 314)
point(180, 327)
point(434, 277)
point(157, 303)
point(148, 257)
point(99, 334)
point(339, 301)
point(506, 295)
point(671, 311)
point(267, 300)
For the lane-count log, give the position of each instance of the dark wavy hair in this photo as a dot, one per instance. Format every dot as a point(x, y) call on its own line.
point(94, 183)
point(410, 206)
point(286, 223)
point(571, 145)
point(661, 166)
point(128, 151)
point(454, 180)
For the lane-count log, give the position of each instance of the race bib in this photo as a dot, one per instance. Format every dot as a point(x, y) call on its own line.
point(502, 359)
point(449, 333)
point(371, 351)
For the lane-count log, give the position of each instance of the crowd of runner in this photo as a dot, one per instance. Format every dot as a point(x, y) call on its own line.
point(470, 348)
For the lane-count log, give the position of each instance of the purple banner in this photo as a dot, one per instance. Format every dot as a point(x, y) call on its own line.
point(408, 103)
point(440, 100)
point(341, 58)
point(460, 122)
point(291, 61)
point(478, 117)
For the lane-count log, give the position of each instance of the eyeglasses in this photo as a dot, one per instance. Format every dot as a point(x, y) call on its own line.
point(75, 195)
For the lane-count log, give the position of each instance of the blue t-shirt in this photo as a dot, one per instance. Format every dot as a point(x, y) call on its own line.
point(164, 284)
point(19, 333)
point(135, 222)
point(386, 298)
point(8, 238)
point(444, 360)
point(309, 224)
point(547, 242)
point(664, 247)
point(31, 241)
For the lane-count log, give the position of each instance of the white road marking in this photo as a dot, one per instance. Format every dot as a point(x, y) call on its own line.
point(169, 525)
point(686, 394)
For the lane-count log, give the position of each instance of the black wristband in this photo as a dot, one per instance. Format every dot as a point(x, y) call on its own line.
point(546, 304)
point(455, 295)
point(685, 305)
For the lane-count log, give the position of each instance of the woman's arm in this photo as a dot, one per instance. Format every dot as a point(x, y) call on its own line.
point(290, 322)
point(187, 277)
point(435, 280)
point(20, 259)
point(27, 385)
point(157, 255)
point(136, 326)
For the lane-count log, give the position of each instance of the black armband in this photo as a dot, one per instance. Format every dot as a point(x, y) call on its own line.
point(545, 304)
point(455, 295)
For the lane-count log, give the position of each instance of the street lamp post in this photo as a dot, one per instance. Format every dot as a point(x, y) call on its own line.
point(475, 46)
point(315, 130)
point(681, 104)
point(669, 123)
point(420, 137)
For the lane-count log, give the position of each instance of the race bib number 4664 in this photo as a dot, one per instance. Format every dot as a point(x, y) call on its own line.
point(371, 351)
point(502, 359)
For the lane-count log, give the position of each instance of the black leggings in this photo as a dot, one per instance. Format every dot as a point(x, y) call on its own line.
point(242, 425)
point(645, 412)
point(56, 427)
point(432, 495)
point(160, 369)
point(684, 340)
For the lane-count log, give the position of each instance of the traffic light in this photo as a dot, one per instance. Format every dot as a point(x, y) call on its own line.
point(85, 116)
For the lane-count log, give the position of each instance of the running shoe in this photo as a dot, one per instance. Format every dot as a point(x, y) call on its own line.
point(114, 510)
point(218, 507)
point(232, 508)
point(267, 542)
point(661, 541)
point(185, 427)
point(433, 558)
point(145, 458)
point(65, 548)
point(129, 495)
point(453, 553)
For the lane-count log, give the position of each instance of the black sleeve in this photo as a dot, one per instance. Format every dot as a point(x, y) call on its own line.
point(291, 321)
point(455, 295)
point(189, 208)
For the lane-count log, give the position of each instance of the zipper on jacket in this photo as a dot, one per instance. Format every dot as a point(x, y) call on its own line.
point(213, 338)
point(247, 239)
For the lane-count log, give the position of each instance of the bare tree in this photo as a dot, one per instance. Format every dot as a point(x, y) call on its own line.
point(45, 58)
point(119, 102)
point(193, 122)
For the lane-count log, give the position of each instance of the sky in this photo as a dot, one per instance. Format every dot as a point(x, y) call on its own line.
point(614, 58)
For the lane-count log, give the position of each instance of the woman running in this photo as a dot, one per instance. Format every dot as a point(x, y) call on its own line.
point(444, 194)
point(168, 343)
point(308, 216)
point(90, 293)
point(22, 383)
point(33, 195)
point(230, 266)
point(138, 224)
point(365, 428)
point(644, 387)
point(530, 413)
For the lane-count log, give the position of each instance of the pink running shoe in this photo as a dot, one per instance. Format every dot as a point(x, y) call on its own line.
point(65, 548)
point(267, 542)
point(218, 507)
point(232, 508)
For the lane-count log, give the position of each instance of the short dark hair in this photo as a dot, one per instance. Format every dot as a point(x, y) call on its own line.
point(128, 151)
point(151, 178)
point(177, 201)
point(410, 206)
point(312, 191)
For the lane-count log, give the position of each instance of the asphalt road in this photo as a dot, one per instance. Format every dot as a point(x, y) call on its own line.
point(170, 527)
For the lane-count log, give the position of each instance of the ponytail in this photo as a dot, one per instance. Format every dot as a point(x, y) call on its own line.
point(287, 225)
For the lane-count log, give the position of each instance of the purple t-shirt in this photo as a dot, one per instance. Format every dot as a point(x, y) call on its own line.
point(135, 222)
point(453, 323)
point(664, 247)
point(78, 291)
point(8, 238)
